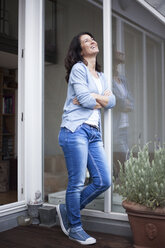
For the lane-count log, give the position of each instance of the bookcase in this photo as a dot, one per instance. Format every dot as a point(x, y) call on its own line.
point(8, 88)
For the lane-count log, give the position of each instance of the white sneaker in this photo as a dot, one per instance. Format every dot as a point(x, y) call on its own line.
point(79, 235)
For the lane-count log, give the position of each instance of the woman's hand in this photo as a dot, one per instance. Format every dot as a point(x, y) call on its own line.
point(94, 95)
point(98, 106)
point(107, 93)
point(102, 100)
point(75, 101)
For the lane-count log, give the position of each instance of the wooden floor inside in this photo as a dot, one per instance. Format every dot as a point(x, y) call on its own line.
point(41, 237)
point(8, 197)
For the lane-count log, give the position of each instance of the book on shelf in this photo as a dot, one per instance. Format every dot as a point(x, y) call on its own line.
point(8, 86)
point(8, 147)
point(8, 105)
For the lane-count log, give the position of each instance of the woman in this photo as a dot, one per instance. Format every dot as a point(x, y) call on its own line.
point(80, 134)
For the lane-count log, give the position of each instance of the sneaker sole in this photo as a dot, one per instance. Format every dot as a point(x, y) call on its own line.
point(84, 242)
point(61, 221)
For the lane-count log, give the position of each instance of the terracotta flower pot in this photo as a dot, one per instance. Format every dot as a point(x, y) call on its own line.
point(148, 226)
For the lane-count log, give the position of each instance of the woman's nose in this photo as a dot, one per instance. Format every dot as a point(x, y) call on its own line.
point(93, 42)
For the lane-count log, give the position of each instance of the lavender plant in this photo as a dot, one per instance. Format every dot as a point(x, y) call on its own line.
point(143, 180)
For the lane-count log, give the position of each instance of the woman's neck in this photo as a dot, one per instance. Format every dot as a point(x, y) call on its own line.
point(91, 63)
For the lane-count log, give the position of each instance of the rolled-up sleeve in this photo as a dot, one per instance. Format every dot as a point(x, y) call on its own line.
point(111, 102)
point(79, 82)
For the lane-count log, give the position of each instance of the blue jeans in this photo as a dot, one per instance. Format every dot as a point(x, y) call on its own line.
point(83, 149)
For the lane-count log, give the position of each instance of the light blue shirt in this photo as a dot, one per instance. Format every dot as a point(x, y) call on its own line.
point(81, 84)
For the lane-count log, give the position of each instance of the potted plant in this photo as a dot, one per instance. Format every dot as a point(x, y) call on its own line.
point(141, 182)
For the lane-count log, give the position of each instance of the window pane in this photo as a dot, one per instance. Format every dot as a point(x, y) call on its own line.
point(154, 88)
point(137, 117)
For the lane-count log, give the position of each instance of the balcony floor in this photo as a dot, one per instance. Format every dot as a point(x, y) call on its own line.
point(41, 237)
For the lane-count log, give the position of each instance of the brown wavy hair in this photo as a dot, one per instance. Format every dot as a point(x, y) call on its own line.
point(74, 54)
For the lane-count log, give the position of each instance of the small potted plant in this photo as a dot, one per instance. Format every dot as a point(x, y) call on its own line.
point(33, 207)
point(142, 184)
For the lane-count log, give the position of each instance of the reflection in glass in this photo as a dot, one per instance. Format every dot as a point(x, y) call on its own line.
point(124, 105)
point(137, 84)
point(154, 91)
point(50, 31)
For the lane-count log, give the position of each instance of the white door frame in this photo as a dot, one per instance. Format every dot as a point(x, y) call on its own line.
point(30, 104)
point(34, 82)
point(107, 55)
point(21, 96)
point(20, 204)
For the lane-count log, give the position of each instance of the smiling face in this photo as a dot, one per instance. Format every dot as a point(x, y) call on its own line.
point(88, 45)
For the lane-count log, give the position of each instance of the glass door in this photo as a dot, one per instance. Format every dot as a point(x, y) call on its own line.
point(8, 101)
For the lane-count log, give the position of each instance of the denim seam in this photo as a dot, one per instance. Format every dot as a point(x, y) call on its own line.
point(99, 177)
point(71, 215)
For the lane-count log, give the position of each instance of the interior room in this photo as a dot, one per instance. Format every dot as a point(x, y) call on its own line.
point(8, 100)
